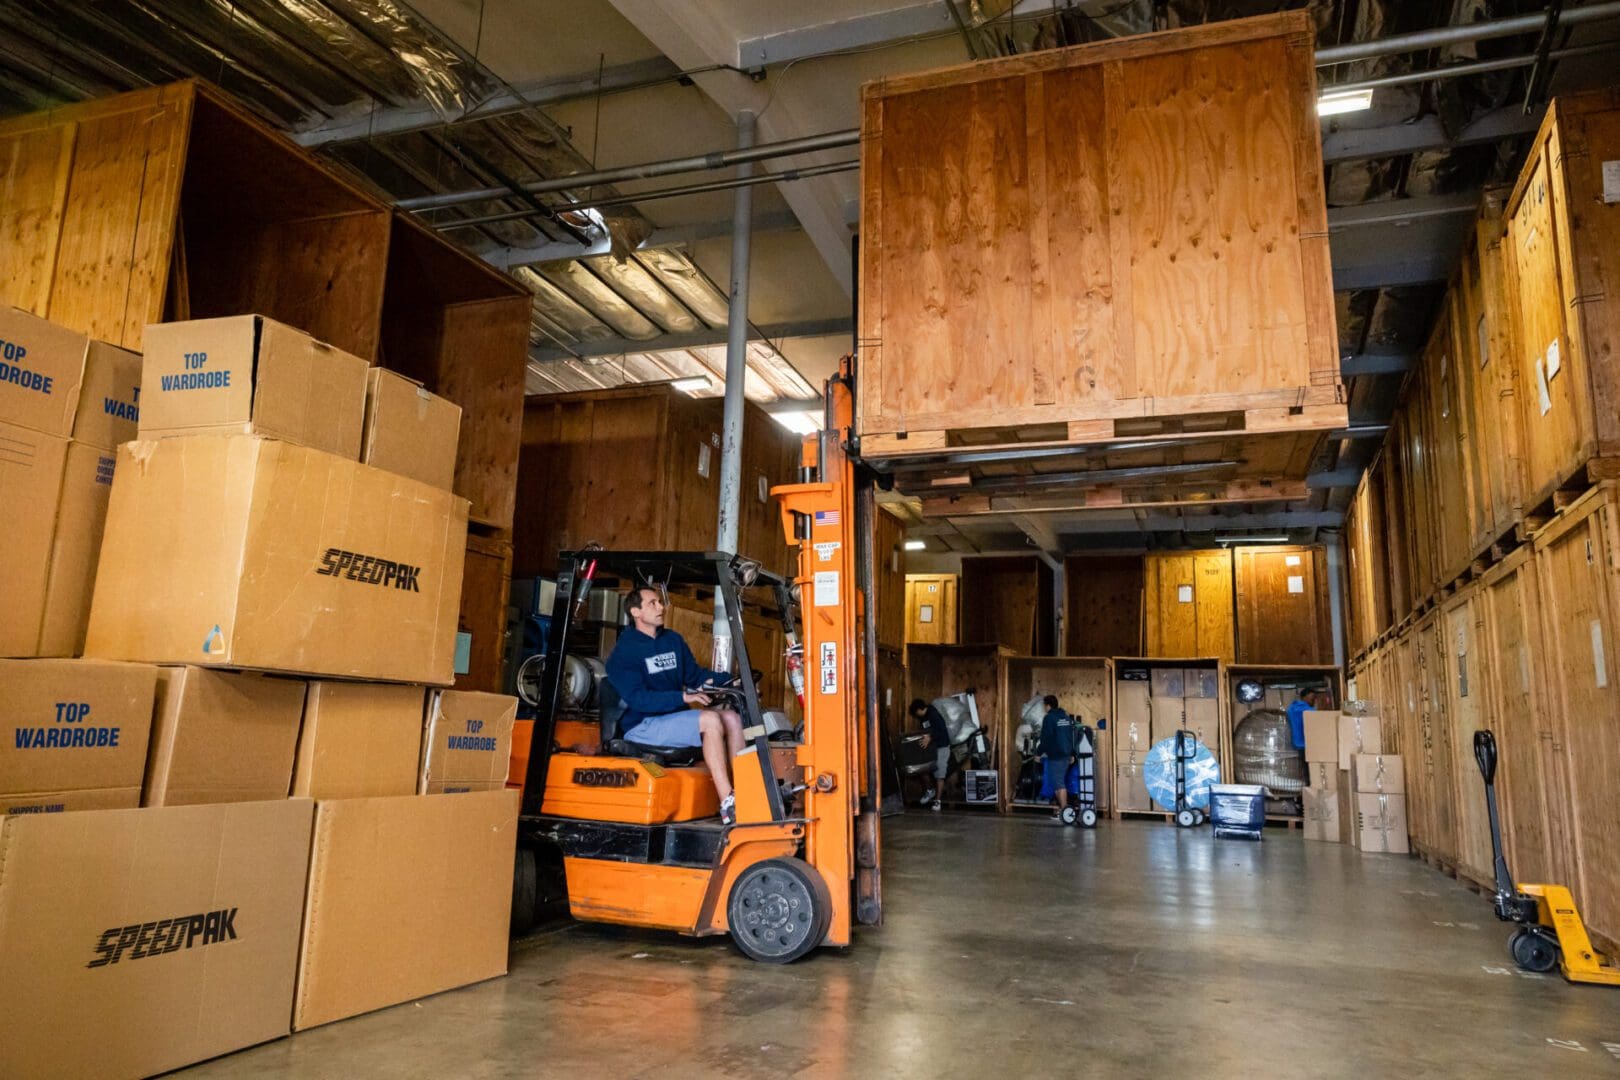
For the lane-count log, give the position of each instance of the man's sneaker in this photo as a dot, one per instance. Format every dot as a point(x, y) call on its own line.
point(728, 810)
point(936, 805)
point(928, 796)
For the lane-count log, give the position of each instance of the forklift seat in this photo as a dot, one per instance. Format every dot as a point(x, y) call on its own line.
point(614, 744)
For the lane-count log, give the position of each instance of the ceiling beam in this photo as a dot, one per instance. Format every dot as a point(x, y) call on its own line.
point(1396, 211)
point(1374, 364)
point(698, 339)
point(423, 116)
point(676, 236)
point(1150, 522)
point(1424, 133)
point(1337, 478)
point(1041, 535)
point(841, 35)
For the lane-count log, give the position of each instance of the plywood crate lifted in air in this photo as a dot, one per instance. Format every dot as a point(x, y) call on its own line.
point(1074, 240)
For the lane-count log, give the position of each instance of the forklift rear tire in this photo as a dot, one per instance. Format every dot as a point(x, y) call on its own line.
point(525, 891)
point(1088, 818)
point(1186, 819)
point(1534, 949)
point(778, 910)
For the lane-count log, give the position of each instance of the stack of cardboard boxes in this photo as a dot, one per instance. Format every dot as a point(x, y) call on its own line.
point(296, 821)
point(1151, 705)
point(1356, 793)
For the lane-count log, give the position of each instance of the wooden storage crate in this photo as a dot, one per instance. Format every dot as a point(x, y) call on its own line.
point(461, 329)
point(1102, 615)
point(1188, 604)
point(1283, 614)
point(1128, 229)
point(1578, 577)
point(1084, 687)
point(1532, 765)
point(486, 579)
point(639, 469)
point(1563, 256)
point(1432, 816)
point(1127, 701)
point(931, 609)
point(173, 203)
point(1281, 683)
point(1008, 600)
point(933, 671)
point(1367, 563)
point(889, 593)
point(1467, 670)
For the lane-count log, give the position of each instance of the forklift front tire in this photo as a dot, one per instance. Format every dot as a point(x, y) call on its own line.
point(1534, 949)
point(525, 890)
point(779, 910)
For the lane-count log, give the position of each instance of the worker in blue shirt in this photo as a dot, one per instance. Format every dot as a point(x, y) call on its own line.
point(659, 680)
point(1296, 718)
point(1058, 735)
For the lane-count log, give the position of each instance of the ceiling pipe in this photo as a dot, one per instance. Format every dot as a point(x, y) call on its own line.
point(1461, 35)
point(1452, 71)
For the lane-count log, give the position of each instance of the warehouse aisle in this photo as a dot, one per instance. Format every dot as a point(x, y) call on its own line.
point(1015, 949)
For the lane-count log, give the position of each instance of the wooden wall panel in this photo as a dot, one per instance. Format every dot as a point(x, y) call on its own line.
point(1008, 600)
point(889, 598)
point(1283, 614)
point(485, 581)
point(1188, 604)
point(34, 169)
point(931, 609)
point(1103, 613)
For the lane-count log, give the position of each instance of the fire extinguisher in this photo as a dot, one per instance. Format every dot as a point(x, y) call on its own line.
point(795, 668)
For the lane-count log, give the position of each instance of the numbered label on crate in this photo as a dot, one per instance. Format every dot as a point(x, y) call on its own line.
point(829, 667)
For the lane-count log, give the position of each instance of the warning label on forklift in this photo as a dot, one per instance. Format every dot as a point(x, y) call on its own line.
point(825, 549)
point(826, 588)
point(829, 667)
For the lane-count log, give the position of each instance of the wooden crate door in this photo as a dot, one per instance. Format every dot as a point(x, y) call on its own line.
point(1467, 670)
point(1189, 605)
point(1577, 579)
point(1283, 614)
point(930, 609)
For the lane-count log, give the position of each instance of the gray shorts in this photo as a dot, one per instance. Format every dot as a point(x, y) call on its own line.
point(942, 762)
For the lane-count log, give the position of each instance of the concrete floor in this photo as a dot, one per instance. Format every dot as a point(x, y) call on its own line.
point(1014, 948)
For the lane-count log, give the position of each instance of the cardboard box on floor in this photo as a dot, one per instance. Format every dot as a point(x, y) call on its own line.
point(1381, 823)
point(246, 374)
point(408, 430)
point(1322, 775)
point(1359, 734)
point(407, 897)
point(138, 941)
point(1131, 726)
point(1346, 793)
point(221, 736)
point(1130, 789)
point(292, 560)
point(1322, 736)
point(73, 734)
point(1378, 774)
point(359, 740)
point(65, 403)
point(1321, 809)
point(466, 742)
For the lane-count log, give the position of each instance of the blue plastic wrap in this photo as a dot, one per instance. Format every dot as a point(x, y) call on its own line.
point(1159, 773)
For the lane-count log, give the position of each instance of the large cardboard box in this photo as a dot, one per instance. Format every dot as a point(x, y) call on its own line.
point(1168, 682)
point(1201, 716)
point(359, 740)
point(1132, 722)
point(1202, 682)
point(1130, 789)
point(407, 897)
point(73, 734)
point(1359, 734)
point(408, 430)
point(1168, 715)
point(467, 741)
point(1322, 821)
point(221, 736)
point(56, 467)
point(246, 552)
point(1378, 774)
point(1322, 736)
point(138, 941)
point(246, 374)
point(1381, 823)
point(1322, 775)
point(1347, 809)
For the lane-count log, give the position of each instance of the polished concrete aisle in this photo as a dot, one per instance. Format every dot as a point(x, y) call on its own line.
point(1013, 949)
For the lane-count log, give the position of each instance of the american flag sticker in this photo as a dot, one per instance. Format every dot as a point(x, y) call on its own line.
point(826, 517)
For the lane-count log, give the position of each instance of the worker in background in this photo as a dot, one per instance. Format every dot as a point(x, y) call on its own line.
point(1058, 732)
point(1297, 709)
point(658, 678)
point(937, 737)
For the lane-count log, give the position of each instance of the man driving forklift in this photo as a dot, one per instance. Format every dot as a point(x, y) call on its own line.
point(655, 674)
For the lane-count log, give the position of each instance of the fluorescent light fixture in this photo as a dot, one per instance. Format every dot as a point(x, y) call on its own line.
point(1331, 104)
point(691, 385)
point(916, 545)
point(1278, 539)
point(800, 423)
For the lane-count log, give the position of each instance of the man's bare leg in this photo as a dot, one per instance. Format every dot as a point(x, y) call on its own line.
point(734, 731)
point(712, 732)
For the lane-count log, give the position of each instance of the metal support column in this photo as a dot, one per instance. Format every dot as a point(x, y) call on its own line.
point(736, 377)
point(1335, 569)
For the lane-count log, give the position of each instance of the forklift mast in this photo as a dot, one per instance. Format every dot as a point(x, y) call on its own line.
point(829, 516)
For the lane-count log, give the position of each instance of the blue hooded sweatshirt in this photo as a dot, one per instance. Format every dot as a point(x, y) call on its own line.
point(650, 674)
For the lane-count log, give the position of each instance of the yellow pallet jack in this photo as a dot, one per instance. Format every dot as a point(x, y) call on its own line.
point(1551, 933)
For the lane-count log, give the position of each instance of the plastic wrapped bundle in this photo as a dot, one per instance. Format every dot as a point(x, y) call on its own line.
point(1028, 735)
point(1263, 753)
point(958, 720)
point(1159, 773)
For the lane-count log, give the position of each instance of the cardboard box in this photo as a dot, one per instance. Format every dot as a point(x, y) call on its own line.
point(408, 430)
point(1322, 775)
point(1381, 823)
point(41, 371)
point(1322, 821)
point(1201, 682)
point(1201, 716)
point(1130, 790)
point(358, 740)
point(246, 552)
point(55, 493)
point(1347, 809)
point(1168, 715)
point(1131, 704)
point(466, 742)
point(1168, 682)
point(71, 726)
point(432, 872)
point(57, 802)
point(1378, 774)
point(1322, 736)
point(1359, 735)
point(250, 375)
point(221, 737)
point(138, 941)
point(1133, 737)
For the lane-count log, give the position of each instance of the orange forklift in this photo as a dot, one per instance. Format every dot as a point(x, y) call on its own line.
point(631, 834)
